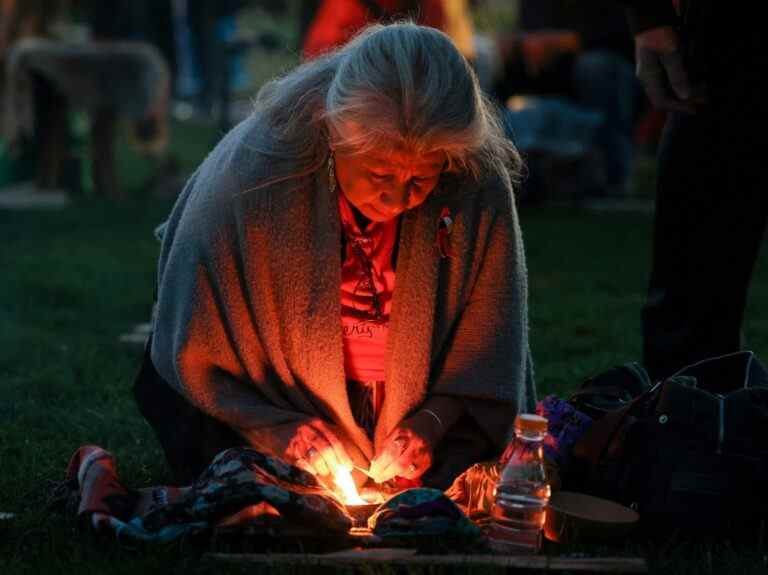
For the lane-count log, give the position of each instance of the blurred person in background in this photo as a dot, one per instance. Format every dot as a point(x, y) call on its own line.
point(20, 19)
point(331, 23)
point(342, 281)
point(695, 59)
point(210, 49)
point(25, 18)
point(572, 62)
point(105, 72)
point(201, 29)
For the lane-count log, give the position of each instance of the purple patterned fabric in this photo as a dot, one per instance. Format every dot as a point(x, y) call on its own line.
point(565, 426)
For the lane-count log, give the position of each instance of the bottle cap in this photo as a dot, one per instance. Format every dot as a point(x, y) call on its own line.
point(531, 422)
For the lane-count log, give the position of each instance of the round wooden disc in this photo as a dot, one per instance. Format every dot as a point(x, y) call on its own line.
point(579, 517)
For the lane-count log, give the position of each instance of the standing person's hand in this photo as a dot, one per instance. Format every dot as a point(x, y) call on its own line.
point(408, 450)
point(661, 70)
point(315, 447)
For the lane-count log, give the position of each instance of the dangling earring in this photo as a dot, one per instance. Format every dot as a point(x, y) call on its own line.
point(331, 173)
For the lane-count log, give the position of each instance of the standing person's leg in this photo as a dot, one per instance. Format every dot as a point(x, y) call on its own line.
point(708, 228)
point(686, 176)
point(711, 202)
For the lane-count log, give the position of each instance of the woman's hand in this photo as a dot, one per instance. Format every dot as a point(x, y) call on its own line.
point(315, 447)
point(408, 450)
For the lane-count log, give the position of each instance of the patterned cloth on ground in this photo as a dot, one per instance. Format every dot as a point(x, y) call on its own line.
point(421, 513)
point(240, 483)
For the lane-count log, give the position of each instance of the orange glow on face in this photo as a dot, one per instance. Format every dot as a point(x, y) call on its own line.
point(385, 183)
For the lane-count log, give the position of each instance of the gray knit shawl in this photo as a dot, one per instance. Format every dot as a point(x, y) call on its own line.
point(248, 324)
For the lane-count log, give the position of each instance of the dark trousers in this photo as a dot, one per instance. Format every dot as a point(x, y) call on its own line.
point(711, 207)
point(189, 437)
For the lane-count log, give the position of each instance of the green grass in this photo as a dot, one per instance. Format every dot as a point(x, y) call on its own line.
point(73, 280)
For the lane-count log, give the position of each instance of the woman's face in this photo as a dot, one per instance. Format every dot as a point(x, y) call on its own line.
point(384, 184)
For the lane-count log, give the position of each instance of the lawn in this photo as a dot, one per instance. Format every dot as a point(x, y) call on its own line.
point(73, 280)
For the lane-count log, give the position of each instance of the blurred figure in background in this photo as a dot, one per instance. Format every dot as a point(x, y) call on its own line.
point(20, 19)
point(574, 61)
point(106, 75)
point(331, 23)
point(25, 18)
point(201, 29)
point(141, 22)
point(210, 48)
point(336, 21)
point(695, 60)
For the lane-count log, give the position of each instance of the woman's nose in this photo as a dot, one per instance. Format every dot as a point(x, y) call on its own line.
point(397, 196)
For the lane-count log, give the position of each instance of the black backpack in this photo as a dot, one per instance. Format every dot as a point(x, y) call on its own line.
point(689, 451)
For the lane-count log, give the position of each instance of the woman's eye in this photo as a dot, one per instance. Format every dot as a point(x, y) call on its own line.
point(379, 177)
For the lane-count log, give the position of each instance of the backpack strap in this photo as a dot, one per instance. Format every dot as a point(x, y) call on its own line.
point(593, 445)
point(610, 390)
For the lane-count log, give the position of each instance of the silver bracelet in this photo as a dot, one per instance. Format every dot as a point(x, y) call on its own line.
point(433, 414)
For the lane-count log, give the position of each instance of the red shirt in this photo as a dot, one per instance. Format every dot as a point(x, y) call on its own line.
point(336, 21)
point(367, 256)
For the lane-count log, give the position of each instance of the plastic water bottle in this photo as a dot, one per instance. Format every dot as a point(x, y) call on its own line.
point(522, 492)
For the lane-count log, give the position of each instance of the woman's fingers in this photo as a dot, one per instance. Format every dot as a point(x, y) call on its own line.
point(411, 464)
point(381, 462)
point(381, 466)
point(418, 462)
point(306, 466)
point(404, 456)
point(338, 448)
point(298, 450)
point(396, 467)
point(320, 454)
point(315, 448)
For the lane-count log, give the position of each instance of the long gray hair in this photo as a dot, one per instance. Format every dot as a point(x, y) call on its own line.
point(400, 85)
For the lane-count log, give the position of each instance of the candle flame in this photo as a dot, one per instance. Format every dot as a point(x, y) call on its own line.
point(343, 480)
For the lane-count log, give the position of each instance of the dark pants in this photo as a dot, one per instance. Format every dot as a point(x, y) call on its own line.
point(711, 205)
point(189, 437)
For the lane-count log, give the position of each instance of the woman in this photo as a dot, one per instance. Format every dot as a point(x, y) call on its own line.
point(343, 280)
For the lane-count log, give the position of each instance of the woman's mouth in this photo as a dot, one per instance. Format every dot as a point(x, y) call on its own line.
point(380, 214)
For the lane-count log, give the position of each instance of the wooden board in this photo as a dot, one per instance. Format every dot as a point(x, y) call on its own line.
point(405, 557)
